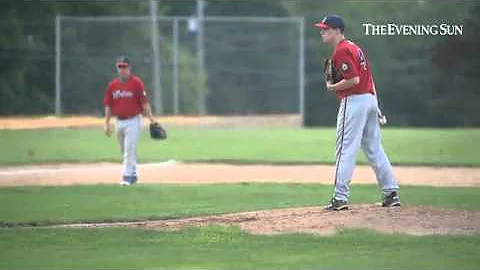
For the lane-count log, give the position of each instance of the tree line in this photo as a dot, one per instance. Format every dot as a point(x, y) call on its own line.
point(425, 80)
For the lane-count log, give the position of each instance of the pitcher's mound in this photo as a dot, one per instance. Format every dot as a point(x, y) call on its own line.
point(415, 220)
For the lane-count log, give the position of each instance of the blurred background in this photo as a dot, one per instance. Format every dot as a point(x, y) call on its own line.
point(235, 57)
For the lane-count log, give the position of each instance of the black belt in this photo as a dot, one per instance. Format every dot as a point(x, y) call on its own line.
point(125, 118)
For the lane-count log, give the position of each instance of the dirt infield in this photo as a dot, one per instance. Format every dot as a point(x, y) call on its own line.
point(291, 120)
point(407, 220)
point(180, 173)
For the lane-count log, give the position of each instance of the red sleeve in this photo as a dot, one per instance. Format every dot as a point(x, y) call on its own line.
point(142, 94)
point(346, 63)
point(107, 99)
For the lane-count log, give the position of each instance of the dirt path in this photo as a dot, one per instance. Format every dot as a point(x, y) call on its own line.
point(291, 120)
point(408, 220)
point(176, 172)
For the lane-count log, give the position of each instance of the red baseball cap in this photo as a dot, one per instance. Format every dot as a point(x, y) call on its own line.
point(122, 61)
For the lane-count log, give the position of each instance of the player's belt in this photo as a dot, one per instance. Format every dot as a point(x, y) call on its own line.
point(125, 117)
point(359, 93)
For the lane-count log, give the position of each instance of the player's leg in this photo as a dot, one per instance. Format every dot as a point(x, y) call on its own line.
point(121, 139)
point(350, 123)
point(373, 149)
point(132, 134)
point(121, 136)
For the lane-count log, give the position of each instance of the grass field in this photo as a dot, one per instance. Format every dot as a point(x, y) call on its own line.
point(23, 246)
point(43, 205)
point(214, 247)
point(272, 145)
point(221, 248)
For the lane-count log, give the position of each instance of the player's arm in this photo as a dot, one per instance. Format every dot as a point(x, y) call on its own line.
point(108, 115)
point(107, 101)
point(343, 84)
point(381, 117)
point(147, 108)
point(147, 111)
point(345, 62)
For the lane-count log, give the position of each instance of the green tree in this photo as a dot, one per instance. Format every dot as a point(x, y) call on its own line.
point(452, 99)
point(27, 54)
point(247, 62)
point(27, 50)
point(401, 65)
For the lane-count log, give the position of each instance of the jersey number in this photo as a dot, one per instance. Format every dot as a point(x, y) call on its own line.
point(363, 59)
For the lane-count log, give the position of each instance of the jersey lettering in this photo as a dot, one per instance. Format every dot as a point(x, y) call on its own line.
point(126, 99)
point(122, 94)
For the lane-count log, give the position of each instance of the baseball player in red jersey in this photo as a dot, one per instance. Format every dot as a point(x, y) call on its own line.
point(358, 117)
point(127, 100)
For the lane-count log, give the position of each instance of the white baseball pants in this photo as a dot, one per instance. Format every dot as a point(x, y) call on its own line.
point(128, 134)
point(358, 126)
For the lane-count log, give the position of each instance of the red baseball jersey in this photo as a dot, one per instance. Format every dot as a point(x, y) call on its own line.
point(125, 98)
point(350, 61)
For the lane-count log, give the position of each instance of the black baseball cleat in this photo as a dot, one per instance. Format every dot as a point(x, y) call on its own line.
point(336, 205)
point(133, 179)
point(391, 200)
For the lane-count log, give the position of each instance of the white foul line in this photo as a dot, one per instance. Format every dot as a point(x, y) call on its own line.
point(76, 168)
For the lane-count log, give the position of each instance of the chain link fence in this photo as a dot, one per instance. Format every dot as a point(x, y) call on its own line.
point(252, 65)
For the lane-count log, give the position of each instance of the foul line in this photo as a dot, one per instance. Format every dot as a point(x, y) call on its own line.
point(89, 167)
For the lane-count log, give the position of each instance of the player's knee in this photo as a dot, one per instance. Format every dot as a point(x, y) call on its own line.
point(372, 157)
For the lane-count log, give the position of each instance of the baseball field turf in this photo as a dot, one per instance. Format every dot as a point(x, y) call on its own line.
point(24, 243)
point(213, 247)
point(228, 247)
point(248, 145)
point(94, 203)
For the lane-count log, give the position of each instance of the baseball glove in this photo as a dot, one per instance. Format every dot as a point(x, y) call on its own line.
point(157, 132)
point(331, 73)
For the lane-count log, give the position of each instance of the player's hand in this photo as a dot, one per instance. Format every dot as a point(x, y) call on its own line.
point(108, 129)
point(381, 117)
point(330, 86)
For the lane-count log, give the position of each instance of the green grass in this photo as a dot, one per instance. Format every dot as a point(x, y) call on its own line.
point(228, 247)
point(221, 247)
point(214, 247)
point(46, 205)
point(262, 145)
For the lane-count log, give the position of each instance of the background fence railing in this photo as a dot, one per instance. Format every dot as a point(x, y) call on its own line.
point(251, 65)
